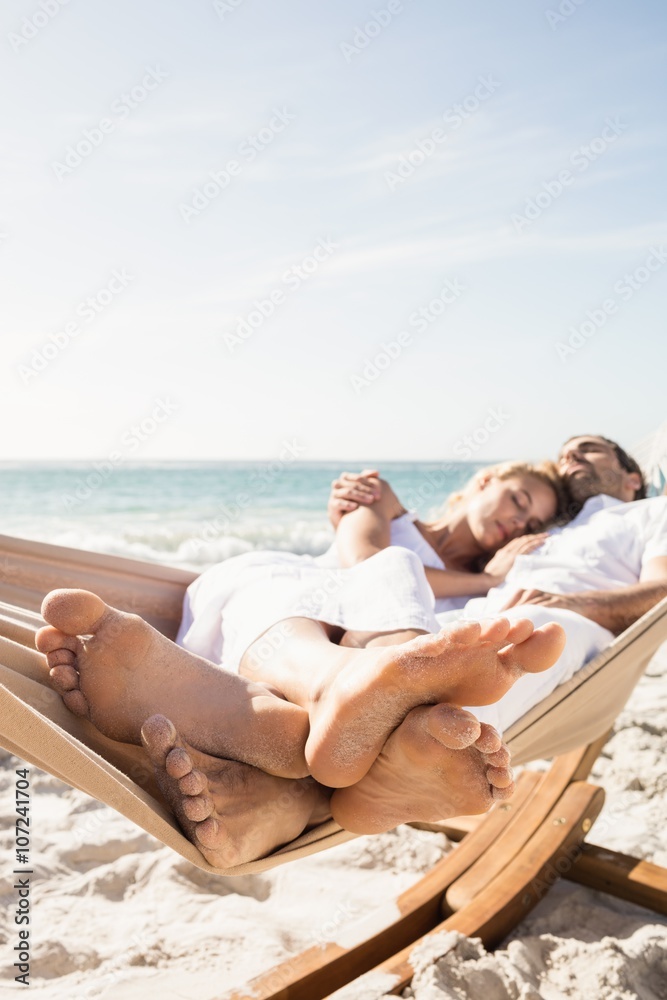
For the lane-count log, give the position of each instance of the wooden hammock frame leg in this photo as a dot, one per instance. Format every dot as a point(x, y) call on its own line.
point(505, 863)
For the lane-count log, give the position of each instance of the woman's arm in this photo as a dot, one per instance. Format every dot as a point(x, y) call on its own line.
point(452, 583)
point(350, 490)
point(367, 530)
point(455, 583)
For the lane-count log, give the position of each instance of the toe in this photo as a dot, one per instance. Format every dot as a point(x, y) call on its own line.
point(488, 741)
point(76, 703)
point(158, 736)
point(454, 727)
point(193, 783)
point(500, 758)
point(178, 763)
point(520, 630)
point(464, 632)
point(75, 612)
point(501, 794)
point(197, 807)
point(64, 678)
point(539, 652)
point(208, 832)
point(60, 656)
point(494, 630)
point(48, 639)
point(499, 777)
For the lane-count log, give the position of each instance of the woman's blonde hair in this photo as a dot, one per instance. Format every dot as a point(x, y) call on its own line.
point(546, 472)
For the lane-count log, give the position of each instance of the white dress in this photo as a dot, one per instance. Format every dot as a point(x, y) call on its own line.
point(405, 532)
point(235, 602)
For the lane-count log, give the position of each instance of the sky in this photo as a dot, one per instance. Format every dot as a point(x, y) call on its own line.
point(408, 229)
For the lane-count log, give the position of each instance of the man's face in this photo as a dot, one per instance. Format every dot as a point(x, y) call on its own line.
point(589, 466)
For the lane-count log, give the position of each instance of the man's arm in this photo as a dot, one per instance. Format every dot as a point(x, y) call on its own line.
point(615, 610)
point(455, 583)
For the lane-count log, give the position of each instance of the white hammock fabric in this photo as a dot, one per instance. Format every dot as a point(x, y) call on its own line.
point(651, 453)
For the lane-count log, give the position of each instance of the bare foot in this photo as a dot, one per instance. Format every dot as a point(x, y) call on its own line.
point(232, 813)
point(354, 708)
point(421, 776)
point(116, 670)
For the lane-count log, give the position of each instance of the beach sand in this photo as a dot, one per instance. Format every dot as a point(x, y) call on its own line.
point(117, 916)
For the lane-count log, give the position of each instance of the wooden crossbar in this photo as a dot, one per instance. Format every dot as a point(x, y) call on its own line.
point(640, 882)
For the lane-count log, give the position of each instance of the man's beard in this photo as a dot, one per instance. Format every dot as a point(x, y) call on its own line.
point(591, 484)
point(584, 485)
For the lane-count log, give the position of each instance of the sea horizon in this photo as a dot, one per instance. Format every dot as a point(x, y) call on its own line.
point(197, 512)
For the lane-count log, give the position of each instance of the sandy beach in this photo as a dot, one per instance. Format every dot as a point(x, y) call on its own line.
point(117, 916)
point(264, 263)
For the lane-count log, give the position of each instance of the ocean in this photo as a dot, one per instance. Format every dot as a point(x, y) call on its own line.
point(196, 514)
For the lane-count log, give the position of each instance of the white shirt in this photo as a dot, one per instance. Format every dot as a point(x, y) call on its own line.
point(405, 532)
point(605, 547)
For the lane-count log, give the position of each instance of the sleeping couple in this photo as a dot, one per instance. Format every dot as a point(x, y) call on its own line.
point(303, 689)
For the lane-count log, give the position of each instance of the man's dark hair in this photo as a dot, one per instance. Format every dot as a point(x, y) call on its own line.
point(624, 460)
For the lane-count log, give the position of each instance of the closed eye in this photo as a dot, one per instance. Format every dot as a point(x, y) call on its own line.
point(593, 446)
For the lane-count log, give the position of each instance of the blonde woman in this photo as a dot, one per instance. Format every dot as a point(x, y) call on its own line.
point(501, 513)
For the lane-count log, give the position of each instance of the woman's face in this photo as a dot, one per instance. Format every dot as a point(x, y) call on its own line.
point(503, 509)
